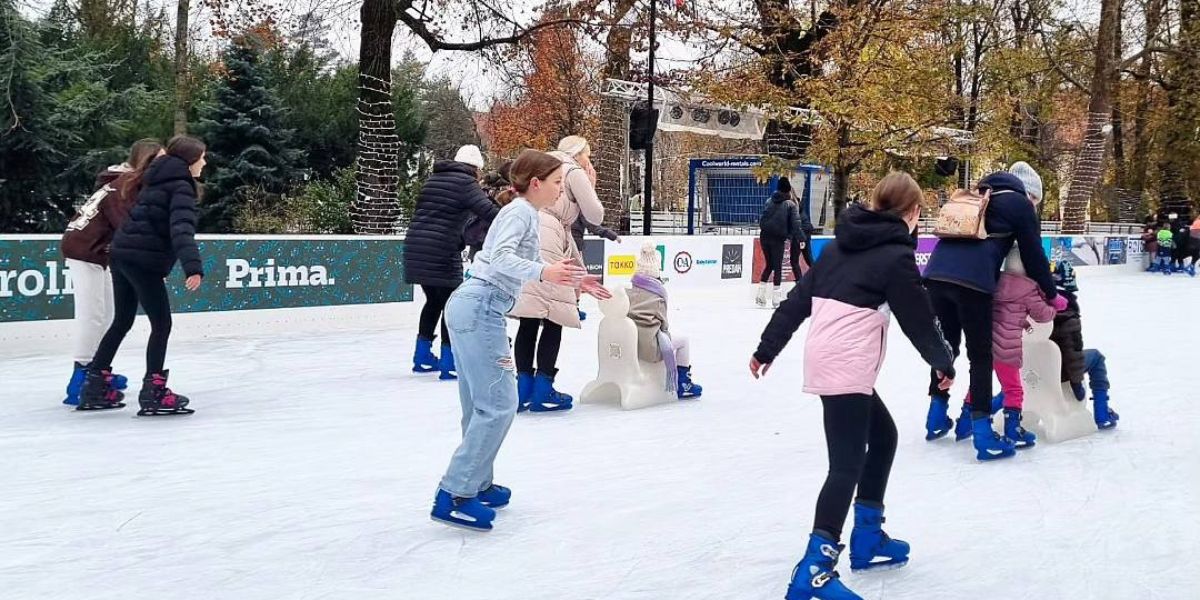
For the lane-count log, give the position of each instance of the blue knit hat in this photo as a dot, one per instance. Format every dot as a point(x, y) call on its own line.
point(1064, 276)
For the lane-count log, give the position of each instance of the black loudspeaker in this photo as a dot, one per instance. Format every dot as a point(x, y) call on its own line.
point(642, 124)
point(946, 166)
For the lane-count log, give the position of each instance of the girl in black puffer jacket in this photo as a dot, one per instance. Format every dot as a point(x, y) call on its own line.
point(159, 232)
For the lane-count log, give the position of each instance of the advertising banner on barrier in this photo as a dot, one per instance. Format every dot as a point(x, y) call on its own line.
point(697, 260)
point(242, 273)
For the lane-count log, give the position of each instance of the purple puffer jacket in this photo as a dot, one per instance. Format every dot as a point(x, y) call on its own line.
point(1017, 299)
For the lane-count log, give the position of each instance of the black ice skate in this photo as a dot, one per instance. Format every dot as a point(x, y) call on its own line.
point(98, 392)
point(157, 399)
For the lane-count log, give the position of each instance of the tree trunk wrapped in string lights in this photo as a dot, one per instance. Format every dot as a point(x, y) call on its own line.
point(1089, 167)
point(376, 206)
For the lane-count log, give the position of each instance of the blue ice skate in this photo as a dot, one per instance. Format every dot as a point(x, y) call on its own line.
point(868, 541)
point(937, 422)
point(424, 360)
point(545, 397)
point(1106, 417)
point(495, 496)
point(524, 390)
point(686, 389)
point(1014, 432)
point(446, 364)
point(815, 576)
point(988, 444)
point(962, 427)
point(75, 385)
point(467, 513)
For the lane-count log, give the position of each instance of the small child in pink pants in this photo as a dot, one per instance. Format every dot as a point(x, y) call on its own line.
point(1017, 300)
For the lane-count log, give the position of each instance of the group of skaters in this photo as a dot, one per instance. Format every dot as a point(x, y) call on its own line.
point(522, 224)
point(1167, 243)
point(981, 292)
point(120, 248)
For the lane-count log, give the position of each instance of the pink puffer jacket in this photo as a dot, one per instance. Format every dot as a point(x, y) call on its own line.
point(1017, 299)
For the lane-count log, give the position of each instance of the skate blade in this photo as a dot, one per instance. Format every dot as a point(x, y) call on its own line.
point(934, 436)
point(149, 412)
point(84, 408)
point(887, 565)
point(462, 526)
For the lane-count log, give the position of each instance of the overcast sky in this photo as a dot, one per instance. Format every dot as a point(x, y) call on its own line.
point(469, 70)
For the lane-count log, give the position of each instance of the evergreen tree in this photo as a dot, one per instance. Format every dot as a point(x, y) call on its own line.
point(249, 148)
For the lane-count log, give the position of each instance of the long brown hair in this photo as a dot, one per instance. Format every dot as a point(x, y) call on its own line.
point(187, 148)
point(896, 194)
point(530, 165)
point(141, 154)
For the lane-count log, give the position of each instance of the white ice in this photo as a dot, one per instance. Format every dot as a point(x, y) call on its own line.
point(309, 468)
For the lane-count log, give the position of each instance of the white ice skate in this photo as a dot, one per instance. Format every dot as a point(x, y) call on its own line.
point(1051, 410)
point(761, 299)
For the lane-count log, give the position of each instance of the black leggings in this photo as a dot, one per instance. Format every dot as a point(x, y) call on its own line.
point(861, 438)
point(773, 252)
point(546, 348)
point(797, 252)
point(966, 312)
point(435, 303)
point(133, 286)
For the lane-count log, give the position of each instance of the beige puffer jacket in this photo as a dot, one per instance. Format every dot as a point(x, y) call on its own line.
point(541, 300)
point(649, 312)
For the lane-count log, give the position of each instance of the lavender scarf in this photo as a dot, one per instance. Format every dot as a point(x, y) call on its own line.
point(666, 348)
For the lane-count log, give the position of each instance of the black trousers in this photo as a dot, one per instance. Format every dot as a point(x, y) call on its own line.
point(435, 304)
point(966, 312)
point(132, 286)
point(773, 252)
point(797, 252)
point(546, 348)
point(861, 437)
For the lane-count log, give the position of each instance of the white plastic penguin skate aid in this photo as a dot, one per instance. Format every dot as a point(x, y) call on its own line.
point(1051, 410)
point(621, 376)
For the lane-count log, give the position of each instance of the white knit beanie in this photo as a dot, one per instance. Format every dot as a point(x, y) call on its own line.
point(648, 261)
point(1029, 177)
point(470, 155)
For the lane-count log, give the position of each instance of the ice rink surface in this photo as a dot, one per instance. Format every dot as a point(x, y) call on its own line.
point(310, 465)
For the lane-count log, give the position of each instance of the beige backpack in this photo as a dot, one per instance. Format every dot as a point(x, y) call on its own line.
point(963, 216)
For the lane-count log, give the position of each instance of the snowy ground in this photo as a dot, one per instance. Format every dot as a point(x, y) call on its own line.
point(308, 471)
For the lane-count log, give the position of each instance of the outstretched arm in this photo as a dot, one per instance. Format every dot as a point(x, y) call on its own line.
point(787, 319)
point(910, 303)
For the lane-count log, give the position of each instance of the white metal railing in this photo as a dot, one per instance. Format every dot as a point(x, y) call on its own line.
point(676, 223)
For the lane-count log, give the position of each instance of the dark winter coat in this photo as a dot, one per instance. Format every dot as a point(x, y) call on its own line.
point(1181, 234)
point(1068, 334)
point(90, 233)
point(870, 264)
point(161, 228)
point(433, 248)
point(1010, 218)
point(780, 218)
point(581, 225)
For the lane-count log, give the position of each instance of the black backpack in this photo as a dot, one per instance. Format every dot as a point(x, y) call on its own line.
point(770, 224)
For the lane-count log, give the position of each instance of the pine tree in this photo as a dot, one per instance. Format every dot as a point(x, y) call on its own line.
point(249, 150)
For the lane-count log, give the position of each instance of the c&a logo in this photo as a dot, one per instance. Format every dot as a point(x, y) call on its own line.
point(683, 263)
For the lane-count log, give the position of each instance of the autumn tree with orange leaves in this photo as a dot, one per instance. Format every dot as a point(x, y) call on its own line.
point(555, 94)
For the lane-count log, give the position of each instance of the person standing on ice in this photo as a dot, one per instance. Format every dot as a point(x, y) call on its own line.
point(962, 276)
point(1018, 300)
point(656, 341)
point(870, 264)
point(434, 244)
point(779, 222)
point(160, 231)
point(85, 248)
point(545, 308)
point(475, 315)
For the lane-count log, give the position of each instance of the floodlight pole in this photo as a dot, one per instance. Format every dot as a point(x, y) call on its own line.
point(648, 183)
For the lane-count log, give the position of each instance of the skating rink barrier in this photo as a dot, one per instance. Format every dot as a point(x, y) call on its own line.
point(293, 283)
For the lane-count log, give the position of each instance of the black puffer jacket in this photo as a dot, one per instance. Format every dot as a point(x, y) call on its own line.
point(780, 218)
point(433, 248)
point(161, 228)
point(1068, 334)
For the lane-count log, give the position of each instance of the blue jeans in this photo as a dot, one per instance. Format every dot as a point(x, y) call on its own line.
point(487, 382)
point(1097, 370)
